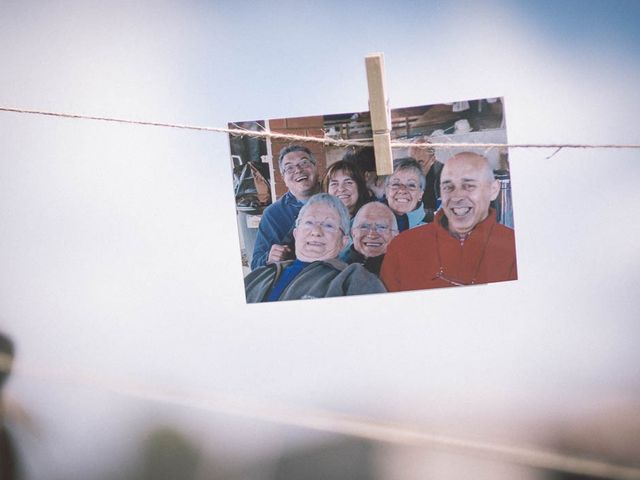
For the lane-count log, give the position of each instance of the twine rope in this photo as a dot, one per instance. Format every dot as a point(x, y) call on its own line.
point(323, 140)
point(316, 419)
point(329, 422)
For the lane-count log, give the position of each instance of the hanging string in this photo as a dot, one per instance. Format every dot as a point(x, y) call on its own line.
point(323, 140)
point(331, 422)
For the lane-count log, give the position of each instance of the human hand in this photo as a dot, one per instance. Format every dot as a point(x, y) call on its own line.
point(278, 253)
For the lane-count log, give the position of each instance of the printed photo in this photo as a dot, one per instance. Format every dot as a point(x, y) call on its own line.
point(315, 220)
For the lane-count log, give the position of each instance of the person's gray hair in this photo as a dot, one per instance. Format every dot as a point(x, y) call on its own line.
point(294, 148)
point(385, 208)
point(333, 202)
point(410, 164)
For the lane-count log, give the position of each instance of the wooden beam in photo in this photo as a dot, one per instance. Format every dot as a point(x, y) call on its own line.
point(378, 108)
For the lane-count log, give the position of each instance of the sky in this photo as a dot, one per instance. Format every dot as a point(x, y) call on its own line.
point(119, 251)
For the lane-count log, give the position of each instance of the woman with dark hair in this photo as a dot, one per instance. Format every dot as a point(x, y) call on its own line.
point(345, 181)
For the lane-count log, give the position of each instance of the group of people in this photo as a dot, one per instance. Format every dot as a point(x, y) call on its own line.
point(356, 233)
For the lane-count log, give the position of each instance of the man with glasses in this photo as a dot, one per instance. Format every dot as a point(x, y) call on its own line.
point(320, 233)
point(464, 245)
point(374, 226)
point(274, 239)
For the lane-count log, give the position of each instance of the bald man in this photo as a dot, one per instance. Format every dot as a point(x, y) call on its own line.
point(374, 226)
point(464, 245)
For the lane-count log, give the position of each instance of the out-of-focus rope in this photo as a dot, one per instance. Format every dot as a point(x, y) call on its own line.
point(330, 422)
point(322, 420)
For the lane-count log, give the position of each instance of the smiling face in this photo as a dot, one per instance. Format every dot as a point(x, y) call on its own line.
point(345, 188)
point(403, 191)
point(373, 229)
point(467, 188)
point(300, 174)
point(319, 235)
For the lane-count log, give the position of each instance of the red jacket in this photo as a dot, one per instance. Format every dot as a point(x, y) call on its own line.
point(430, 257)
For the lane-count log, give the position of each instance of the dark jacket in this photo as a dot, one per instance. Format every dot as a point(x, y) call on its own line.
point(414, 218)
point(372, 264)
point(326, 278)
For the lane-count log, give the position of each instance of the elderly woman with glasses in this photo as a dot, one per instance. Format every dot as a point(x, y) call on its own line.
point(404, 189)
point(321, 232)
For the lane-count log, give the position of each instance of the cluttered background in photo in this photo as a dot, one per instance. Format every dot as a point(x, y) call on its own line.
point(258, 182)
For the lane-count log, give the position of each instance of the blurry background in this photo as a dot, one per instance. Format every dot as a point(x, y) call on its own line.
point(119, 257)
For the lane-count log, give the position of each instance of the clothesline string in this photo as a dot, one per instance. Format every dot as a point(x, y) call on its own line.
point(322, 140)
point(328, 421)
point(325, 421)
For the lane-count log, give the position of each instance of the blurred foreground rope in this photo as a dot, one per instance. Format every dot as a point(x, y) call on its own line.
point(324, 140)
point(331, 422)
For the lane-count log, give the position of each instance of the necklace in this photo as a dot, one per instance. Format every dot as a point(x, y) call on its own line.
point(440, 274)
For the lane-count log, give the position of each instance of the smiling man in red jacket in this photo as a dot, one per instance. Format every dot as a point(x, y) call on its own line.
point(464, 245)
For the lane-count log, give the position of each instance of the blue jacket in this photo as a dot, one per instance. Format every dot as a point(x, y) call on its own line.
point(276, 227)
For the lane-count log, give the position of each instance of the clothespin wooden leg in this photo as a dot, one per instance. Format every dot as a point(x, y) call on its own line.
point(380, 118)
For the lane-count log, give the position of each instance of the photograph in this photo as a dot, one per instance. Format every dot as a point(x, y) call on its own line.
point(315, 220)
point(168, 167)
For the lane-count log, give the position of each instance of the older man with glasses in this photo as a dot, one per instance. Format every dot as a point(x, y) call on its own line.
point(374, 226)
point(274, 240)
point(320, 234)
point(464, 245)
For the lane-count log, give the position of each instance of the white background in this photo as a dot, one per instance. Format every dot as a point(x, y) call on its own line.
point(119, 250)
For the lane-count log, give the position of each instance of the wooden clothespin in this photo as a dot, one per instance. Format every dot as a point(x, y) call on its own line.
point(380, 118)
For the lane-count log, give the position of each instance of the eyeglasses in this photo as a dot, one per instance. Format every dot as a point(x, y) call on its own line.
point(410, 186)
point(302, 165)
point(378, 228)
point(328, 227)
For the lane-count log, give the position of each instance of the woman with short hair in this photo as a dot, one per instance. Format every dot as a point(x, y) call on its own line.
point(403, 190)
